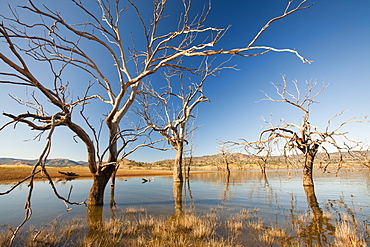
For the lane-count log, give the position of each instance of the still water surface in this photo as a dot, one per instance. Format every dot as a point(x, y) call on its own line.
point(278, 197)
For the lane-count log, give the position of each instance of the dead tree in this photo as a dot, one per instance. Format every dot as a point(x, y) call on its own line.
point(225, 155)
point(261, 151)
point(170, 113)
point(361, 155)
point(305, 137)
point(66, 47)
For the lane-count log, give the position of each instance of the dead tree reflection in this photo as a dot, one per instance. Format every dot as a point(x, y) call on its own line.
point(112, 203)
point(315, 232)
point(177, 197)
point(181, 191)
point(188, 192)
point(265, 180)
point(226, 195)
point(94, 222)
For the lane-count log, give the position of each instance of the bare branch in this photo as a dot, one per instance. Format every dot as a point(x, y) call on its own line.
point(60, 46)
point(40, 163)
point(306, 138)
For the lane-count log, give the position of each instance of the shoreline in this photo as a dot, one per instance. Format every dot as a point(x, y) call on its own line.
point(14, 173)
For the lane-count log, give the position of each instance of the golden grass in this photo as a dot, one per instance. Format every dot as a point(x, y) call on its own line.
point(134, 227)
point(133, 210)
point(130, 229)
point(270, 235)
point(235, 225)
point(14, 173)
point(349, 234)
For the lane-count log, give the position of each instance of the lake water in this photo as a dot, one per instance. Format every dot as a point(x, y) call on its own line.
point(278, 198)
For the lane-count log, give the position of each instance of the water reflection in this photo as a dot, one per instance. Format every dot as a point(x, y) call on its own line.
point(177, 197)
point(226, 193)
point(318, 227)
point(112, 202)
point(280, 202)
point(65, 180)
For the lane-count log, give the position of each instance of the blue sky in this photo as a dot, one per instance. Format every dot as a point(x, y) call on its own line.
point(334, 34)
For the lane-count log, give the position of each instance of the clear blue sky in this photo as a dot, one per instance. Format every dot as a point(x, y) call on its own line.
point(334, 34)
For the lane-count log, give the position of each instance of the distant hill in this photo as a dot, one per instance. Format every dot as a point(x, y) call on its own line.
point(240, 158)
point(237, 158)
point(50, 162)
point(216, 157)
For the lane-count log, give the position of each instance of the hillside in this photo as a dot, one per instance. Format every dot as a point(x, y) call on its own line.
point(240, 159)
point(50, 162)
point(236, 158)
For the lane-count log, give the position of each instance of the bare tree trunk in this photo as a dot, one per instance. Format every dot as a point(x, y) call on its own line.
point(262, 167)
point(113, 178)
point(177, 197)
point(101, 176)
point(308, 169)
point(100, 180)
point(188, 171)
point(113, 153)
point(227, 168)
point(177, 169)
point(96, 200)
point(112, 203)
point(224, 152)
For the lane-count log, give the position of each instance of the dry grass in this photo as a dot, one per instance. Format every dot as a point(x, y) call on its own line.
point(235, 225)
point(145, 230)
point(326, 230)
point(134, 227)
point(349, 234)
point(271, 235)
point(15, 173)
point(262, 234)
point(133, 210)
point(5, 236)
